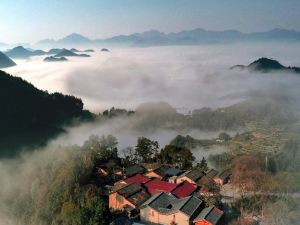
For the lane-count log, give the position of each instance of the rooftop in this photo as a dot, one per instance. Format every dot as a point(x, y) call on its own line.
point(156, 185)
point(184, 189)
point(211, 214)
point(212, 173)
point(132, 170)
point(224, 175)
point(173, 172)
point(138, 178)
point(194, 175)
point(169, 204)
point(162, 170)
point(129, 190)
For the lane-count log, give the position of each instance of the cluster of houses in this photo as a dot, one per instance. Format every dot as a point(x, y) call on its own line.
point(162, 194)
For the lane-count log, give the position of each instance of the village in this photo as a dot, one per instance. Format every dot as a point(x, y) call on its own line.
point(154, 193)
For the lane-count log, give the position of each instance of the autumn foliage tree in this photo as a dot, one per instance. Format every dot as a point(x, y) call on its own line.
point(247, 173)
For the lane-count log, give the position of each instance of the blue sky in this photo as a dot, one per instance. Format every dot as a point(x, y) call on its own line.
point(32, 20)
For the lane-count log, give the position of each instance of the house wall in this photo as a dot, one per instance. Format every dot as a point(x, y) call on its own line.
point(154, 175)
point(150, 215)
point(118, 202)
point(202, 222)
point(181, 179)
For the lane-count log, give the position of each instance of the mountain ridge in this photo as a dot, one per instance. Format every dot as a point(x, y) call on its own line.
point(196, 36)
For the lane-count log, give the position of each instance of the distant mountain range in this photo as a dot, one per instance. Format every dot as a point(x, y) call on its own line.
point(190, 37)
point(266, 65)
point(21, 52)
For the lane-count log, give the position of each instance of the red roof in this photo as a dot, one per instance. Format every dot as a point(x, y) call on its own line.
point(138, 178)
point(184, 189)
point(156, 186)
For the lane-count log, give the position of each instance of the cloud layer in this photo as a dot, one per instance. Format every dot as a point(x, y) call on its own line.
point(185, 77)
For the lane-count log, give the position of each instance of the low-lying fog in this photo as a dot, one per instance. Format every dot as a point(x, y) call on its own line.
point(186, 77)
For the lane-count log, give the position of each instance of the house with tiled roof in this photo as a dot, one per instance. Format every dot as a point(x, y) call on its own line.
point(138, 178)
point(127, 197)
point(207, 186)
point(184, 189)
point(192, 176)
point(171, 172)
point(212, 173)
point(222, 178)
point(156, 186)
point(133, 170)
point(209, 216)
point(159, 173)
point(166, 209)
point(151, 166)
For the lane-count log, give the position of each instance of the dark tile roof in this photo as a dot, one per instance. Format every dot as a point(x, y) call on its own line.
point(162, 170)
point(132, 170)
point(224, 175)
point(205, 180)
point(191, 206)
point(134, 193)
point(212, 173)
point(129, 190)
point(169, 204)
point(195, 175)
point(173, 172)
point(138, 198)
point(211, 214)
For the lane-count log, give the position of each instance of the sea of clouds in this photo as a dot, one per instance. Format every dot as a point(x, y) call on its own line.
point(185, 77)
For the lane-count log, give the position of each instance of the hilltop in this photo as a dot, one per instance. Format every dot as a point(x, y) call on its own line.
point(266, 65)
point(21, 52)
point(30, 117)
point(55, 59)
point(5, 61)
point(69, 53)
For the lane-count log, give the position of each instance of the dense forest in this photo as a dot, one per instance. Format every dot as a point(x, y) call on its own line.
point(29, 117)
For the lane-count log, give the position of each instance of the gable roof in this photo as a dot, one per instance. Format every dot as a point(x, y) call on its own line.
point(169, 204)
point(138, 178)
point(132, 170)
point(194, 175)
point(138, 198)
point(212, 173)
point(211, 214)
point(156, 185)
point(173, 171)
point(184, 189)
point(205, 180)
point(224, 175)
point(162, 170)
point(134, 193)
point(129, 190)
point(191, 206)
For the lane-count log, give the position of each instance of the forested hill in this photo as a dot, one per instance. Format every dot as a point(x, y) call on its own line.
point(29, 116)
